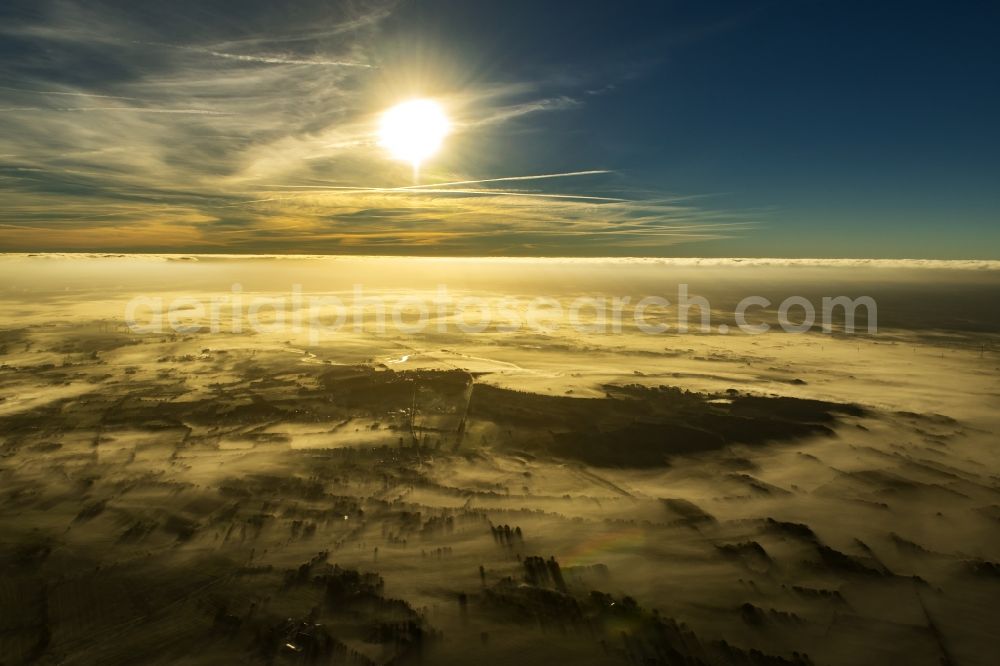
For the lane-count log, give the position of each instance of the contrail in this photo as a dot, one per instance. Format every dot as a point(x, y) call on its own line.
point(435, 188)
point(568, 174)
point(139, 109)
point(73, 94)
point(130, 109)
point(423, 190)
point(252, 201)
point(504, 193)
point(260, 58)
point(280, 60)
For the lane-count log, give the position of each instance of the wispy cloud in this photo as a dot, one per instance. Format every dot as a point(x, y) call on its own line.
point(266, 59)
point(126, 109)
point(155, 129)
point(285, 60)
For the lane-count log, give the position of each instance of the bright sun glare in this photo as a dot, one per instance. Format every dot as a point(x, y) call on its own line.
point(413, 131)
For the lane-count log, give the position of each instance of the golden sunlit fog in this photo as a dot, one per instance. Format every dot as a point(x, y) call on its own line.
point(402, 333)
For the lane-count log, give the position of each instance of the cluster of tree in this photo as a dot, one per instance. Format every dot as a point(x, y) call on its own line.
point(438, 525)
point(543, 573)
point(343, 586)
point(444, 551)
point(540, 606)
point(304, 572)
point(505, 535)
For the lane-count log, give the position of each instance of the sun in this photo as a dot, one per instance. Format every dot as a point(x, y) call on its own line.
point(414, 130)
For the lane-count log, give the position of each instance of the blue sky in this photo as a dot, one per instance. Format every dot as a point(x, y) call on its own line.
point(810, 129)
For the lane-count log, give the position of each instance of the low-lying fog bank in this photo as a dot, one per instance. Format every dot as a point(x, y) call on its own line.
point(545, 496)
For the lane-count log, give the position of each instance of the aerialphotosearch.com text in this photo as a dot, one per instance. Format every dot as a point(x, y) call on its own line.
point(321, 315)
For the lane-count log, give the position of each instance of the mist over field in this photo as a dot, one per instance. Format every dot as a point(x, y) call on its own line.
point(438, 332)
point(242, 487)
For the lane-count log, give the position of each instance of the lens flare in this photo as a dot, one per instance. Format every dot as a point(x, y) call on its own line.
point(414, 131)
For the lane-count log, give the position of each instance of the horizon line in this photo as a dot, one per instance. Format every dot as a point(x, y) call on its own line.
point(825, 262)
